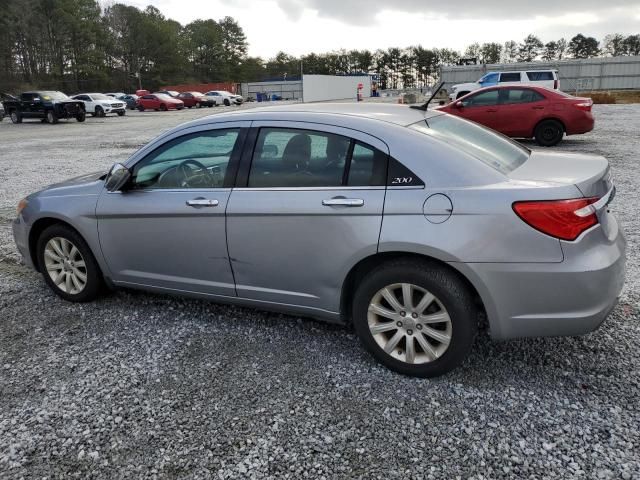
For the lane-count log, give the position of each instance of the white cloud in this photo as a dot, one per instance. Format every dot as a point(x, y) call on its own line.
point(303, 26)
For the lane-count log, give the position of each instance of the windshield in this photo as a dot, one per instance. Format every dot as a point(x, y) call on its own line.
point(491, 148)
point(100, 96)
point(54, 96)
point(163, 96)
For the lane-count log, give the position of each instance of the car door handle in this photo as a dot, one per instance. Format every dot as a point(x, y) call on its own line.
point(344, 202)
point(202, 202)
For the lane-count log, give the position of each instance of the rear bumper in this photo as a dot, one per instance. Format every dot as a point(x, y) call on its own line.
point(582, 125)
point(572, 297)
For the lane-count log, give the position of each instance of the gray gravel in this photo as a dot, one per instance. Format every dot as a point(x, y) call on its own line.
point(139, 385)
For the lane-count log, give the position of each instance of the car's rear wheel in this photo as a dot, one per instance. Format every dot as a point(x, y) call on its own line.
point(51, 117)
point(549, 133)
point(15, 117)
point(198, 105)
point(99, 112)
point(416, 318)
point(67, 264)
point(141, 109)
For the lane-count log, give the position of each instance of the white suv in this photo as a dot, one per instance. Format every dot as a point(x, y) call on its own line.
point(99, 104)
point(222, 97)
point(539, 78)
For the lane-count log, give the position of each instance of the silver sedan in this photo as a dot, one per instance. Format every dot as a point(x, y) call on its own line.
point(417, 228)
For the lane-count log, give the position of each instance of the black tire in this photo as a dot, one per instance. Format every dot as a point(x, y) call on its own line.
point(122, 113)
point(198, 105)
point(460, 94)
point(81, 117)
point(51, 117)
point(210, 105)
point(141, 109)
point(100, 112)
point(179, 108)
point(227, 103)
point(448, 289)
point(163, 108)
point(94, 280)
point(549, 133)
point(15, 116)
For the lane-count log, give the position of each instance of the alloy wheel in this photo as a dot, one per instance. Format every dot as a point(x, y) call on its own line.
point(409, 323)
point(65, 265)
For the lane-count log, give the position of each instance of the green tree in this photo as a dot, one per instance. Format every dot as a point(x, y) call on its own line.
point(510, 52)
point(529, 49)
point(490, 53)
point(632, 45)
point(583, 47)
point(614, 45)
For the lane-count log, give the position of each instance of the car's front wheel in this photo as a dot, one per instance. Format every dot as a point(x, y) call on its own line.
point(100, 112)
point(81, 117)
point(67, 264)
point(416, 318)
point(227, 103)
point(122, 113)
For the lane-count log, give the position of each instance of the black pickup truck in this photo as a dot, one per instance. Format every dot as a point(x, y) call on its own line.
point(43, 105)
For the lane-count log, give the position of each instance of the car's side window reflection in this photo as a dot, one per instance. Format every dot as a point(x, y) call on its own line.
point(198, 160)
point(298, 158)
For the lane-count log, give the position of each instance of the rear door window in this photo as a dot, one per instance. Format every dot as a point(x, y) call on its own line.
point(510, 77)
point(520, 95)
point(298, 158)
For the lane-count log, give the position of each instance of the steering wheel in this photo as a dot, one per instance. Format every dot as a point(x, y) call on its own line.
point(194, 177)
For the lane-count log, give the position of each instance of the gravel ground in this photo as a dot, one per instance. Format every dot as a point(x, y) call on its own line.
point(143, 386)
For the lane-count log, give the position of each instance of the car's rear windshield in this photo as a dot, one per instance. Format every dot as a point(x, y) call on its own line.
point(491, 148)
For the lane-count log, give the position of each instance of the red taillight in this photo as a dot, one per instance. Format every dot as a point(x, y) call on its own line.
point(563, 219)
point(586, 105)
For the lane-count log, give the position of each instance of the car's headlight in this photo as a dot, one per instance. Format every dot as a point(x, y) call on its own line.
point(22, 204)
point(106, 104)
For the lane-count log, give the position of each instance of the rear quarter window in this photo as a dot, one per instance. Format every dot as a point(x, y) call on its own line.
point(540, 76)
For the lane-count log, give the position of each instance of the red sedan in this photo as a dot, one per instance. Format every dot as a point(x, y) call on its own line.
point(526, 112)
point(159, 101)
point(195, 99)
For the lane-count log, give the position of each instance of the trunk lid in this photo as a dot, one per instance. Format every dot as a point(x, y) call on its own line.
point(589, 173)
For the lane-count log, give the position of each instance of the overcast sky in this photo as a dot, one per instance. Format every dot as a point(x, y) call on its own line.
point(303, 26)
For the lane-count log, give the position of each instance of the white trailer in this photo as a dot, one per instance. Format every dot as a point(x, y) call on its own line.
point(322, 88)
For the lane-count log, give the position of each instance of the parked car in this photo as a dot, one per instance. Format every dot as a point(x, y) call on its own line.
point(2, 112)
point(526, 112)
point(540, 78)
point(196, 99)
point(384, 217)
point(100, 104)
point(222, 97)
point(159, 101)
point(171, 93)
point(115, 94)
point(131, 101)
point(49, 106)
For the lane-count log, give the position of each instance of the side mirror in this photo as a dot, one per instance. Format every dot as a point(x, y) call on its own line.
point(458, 105)
point(117, 177)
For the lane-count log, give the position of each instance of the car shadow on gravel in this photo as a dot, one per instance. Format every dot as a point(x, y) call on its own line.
point(285, 345)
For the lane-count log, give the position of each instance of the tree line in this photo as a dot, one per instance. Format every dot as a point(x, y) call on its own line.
point(75, 45)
